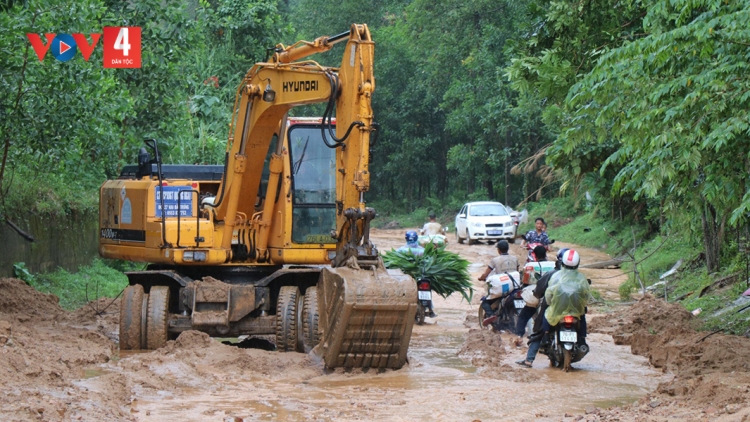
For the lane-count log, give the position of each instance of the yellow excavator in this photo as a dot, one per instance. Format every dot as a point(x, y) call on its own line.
point(276, 240)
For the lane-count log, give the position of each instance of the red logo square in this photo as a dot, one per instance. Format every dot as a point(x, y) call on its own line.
point(122, 46)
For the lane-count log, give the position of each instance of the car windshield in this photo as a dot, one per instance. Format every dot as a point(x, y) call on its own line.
point(487, 210)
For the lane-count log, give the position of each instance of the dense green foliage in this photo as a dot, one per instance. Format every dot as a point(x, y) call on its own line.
point(66, 127)
point(447, 271)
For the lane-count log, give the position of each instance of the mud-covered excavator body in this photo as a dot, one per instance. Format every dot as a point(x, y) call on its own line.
point(276, 240)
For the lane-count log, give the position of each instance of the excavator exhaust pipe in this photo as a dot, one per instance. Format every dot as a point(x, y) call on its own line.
point(366, 317)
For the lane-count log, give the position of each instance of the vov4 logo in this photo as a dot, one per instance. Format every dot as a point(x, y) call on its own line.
point(122, 46)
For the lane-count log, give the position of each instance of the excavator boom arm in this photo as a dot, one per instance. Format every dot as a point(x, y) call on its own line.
point(268, 92)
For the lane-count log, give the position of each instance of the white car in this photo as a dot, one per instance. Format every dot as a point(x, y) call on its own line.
point(484, 221)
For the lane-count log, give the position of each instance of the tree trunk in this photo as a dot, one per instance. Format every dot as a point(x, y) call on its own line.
point(713, 233)
point(488, 183)
point(14, 111)
point(506, 169)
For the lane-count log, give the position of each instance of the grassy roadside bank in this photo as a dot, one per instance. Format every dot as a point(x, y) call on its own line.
point(103, 278)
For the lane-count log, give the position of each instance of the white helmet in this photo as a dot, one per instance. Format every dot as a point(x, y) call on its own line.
point(571, 259)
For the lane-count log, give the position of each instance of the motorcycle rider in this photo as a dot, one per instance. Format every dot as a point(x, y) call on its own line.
point(527, 312)
point(432, 227)
point(504, 262)
point(567, 294)
point(539, 235)
point(412, 246)
point(565, 291)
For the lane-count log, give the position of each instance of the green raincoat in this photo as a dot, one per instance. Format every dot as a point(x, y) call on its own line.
point(567, 294)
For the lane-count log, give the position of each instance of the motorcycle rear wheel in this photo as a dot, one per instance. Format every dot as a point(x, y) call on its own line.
point(481, 316)
point(567, 357)
point(513, 321)
point(419, 317)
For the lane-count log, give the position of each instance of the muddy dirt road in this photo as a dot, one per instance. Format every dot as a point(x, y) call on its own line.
point(61, 366)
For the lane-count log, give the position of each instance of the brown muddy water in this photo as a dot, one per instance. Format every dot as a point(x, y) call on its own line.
point(437, 383)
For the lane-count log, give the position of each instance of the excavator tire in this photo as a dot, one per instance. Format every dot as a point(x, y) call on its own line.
point(158, 307)
point(300, 341)
point(366, 316)
point(286, 319)
point(131, 309)
point(310, 337)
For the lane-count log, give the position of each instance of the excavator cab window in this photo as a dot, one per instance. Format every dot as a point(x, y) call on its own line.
point(314, 186)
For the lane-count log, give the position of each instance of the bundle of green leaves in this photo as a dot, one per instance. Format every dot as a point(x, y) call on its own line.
point(447, 271)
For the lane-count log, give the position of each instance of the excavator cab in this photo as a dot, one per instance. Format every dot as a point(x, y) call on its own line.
point(313, 185)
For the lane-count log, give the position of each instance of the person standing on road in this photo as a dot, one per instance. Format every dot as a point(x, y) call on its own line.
point(502, 263)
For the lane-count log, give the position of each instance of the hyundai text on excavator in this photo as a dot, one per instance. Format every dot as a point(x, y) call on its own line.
point(276, 240)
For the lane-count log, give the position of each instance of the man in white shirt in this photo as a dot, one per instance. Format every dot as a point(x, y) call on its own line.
point(432, 227)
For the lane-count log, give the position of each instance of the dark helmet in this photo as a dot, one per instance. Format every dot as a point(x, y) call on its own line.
point(558, 263)
point(540, 252)
point(411, 236)
point(503, 246)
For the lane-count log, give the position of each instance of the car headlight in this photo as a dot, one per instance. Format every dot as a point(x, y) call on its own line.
point(477, 224)
point(508, 224)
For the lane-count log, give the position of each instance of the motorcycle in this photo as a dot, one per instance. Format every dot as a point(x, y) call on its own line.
point(533, 271)
point(508, 306)
point(564, 348)
point(424, 300)
point(531, 256)
point(436, 239)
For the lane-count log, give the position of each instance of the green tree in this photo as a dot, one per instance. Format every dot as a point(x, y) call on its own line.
point(560, 43)
point(676, 104)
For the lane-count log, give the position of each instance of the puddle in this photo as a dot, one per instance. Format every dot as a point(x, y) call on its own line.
point(87, 373)
point(124, 354)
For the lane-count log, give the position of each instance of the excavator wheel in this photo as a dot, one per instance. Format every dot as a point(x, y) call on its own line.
point(300, 347)
point(310, 336)
point(131, 309)
point(286, 319)
point(158, 307)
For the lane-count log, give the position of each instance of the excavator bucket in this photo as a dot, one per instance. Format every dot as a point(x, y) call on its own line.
point(366, 317)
